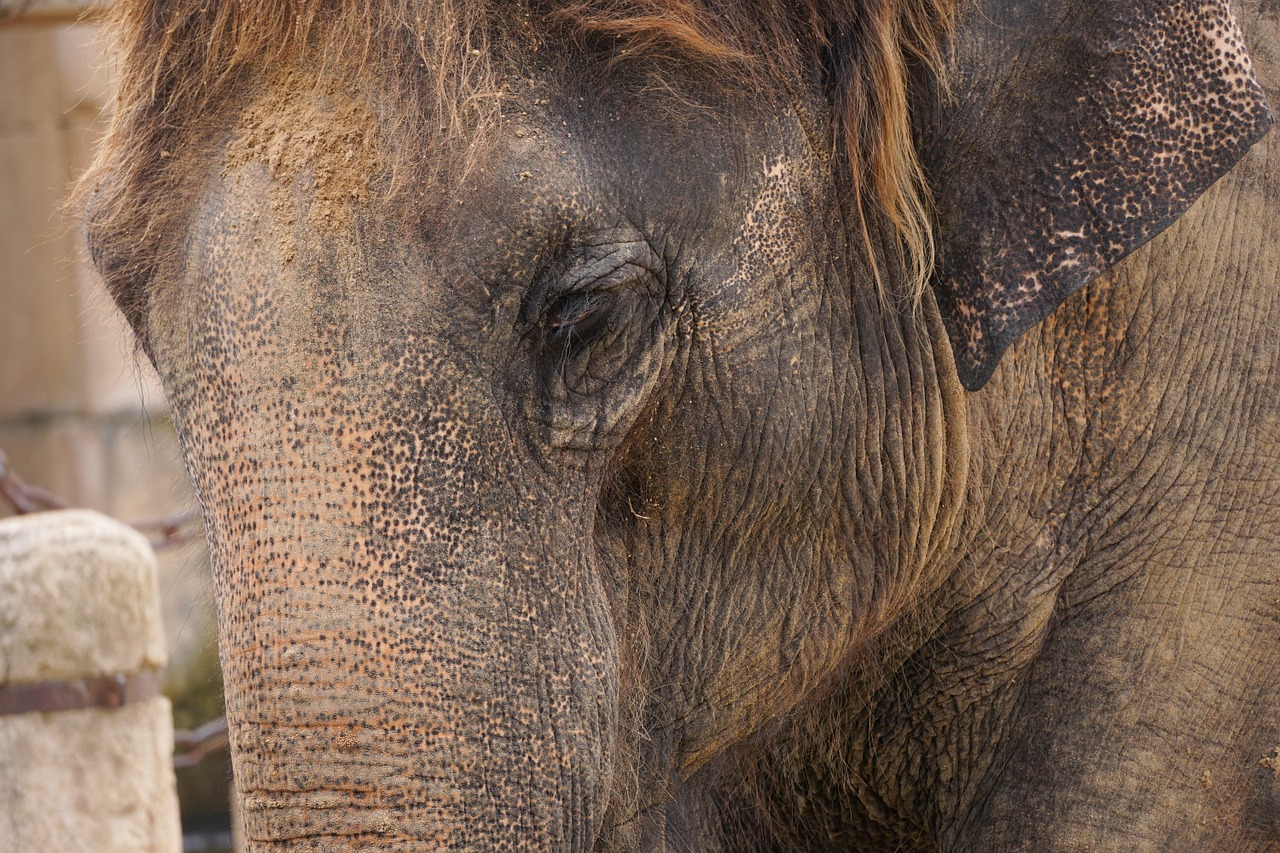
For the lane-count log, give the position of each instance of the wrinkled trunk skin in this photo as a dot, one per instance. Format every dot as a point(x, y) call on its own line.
point(416, 654)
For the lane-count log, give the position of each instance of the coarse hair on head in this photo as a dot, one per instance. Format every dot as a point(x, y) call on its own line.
point(429, 62)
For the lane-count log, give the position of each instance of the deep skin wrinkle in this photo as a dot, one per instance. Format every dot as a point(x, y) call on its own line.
point(1100, 667)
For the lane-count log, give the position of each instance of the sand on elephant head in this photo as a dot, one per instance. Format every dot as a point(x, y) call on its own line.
point(321, 149)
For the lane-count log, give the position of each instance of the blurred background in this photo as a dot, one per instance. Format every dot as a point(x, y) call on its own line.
point(81, 413)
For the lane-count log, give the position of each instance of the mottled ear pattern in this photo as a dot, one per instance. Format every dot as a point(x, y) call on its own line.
point(1073, 133)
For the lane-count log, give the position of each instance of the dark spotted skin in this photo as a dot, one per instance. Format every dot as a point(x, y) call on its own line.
point(1101, 670)
point(602, 502)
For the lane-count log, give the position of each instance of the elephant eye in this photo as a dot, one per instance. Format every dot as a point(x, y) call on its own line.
point(592, 318)
point(573, 324)
point(577, 318)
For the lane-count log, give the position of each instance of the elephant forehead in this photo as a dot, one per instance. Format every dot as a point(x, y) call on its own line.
point(309, 129)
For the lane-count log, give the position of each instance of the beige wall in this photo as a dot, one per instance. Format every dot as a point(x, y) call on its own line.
point(80, 413)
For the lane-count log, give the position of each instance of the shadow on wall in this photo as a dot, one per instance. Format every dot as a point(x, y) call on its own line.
point(80, 413)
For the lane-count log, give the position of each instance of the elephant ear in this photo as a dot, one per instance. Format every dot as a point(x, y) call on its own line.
point(1073, 132)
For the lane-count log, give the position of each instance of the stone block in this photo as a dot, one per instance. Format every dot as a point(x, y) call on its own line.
point(90, 781)
point(78, 598)
point(78, 601)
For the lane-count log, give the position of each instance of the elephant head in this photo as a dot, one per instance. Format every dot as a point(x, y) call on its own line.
point(556, 379)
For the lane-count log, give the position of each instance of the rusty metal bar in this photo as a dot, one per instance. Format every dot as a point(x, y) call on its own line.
point(177, 529)
point(198, 744)
point(107, 691)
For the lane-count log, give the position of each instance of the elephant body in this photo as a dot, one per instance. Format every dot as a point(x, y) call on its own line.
point(585, 469)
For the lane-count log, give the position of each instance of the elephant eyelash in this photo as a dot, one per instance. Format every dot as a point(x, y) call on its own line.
point(574, 312)
point(575, 322)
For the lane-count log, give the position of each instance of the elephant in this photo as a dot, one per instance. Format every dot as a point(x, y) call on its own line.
point(737, 425)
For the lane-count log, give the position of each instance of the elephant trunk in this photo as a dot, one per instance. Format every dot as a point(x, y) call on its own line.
point(417, 649)
point(411, 698)
point(411, 660)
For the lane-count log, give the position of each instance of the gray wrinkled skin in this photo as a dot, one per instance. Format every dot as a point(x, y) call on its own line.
point(613, 508)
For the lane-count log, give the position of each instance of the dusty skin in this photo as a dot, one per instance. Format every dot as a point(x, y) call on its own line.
point(586, 467)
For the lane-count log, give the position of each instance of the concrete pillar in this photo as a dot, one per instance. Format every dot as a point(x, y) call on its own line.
point(80, 631)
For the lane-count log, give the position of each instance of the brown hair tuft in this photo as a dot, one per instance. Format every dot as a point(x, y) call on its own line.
point(429, 60)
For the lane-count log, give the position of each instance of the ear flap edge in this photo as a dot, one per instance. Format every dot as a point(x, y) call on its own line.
point(1066, 146)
